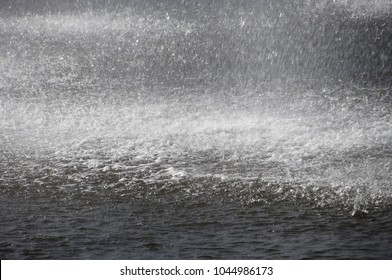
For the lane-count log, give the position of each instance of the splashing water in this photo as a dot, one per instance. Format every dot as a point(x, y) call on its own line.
point(130, 108)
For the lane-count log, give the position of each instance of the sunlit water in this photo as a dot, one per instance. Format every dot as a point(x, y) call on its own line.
point(103, 156)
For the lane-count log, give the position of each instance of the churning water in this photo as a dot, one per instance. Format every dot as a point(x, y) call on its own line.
point(196, 131)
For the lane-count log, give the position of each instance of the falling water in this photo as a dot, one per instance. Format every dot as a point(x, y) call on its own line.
point(211, 129)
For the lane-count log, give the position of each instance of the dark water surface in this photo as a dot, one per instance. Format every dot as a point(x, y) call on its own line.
point(122, 227)
point(148, 133)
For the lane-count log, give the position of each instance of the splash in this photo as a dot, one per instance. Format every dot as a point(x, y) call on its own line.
point(143, 105)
